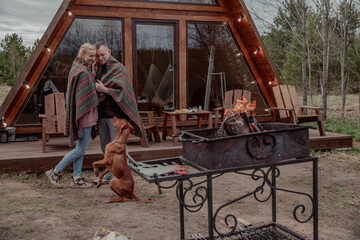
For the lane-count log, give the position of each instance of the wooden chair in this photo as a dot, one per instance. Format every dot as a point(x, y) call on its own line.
point(54, 119)
point(149, 128)
point(289, 109)
point(229, 102)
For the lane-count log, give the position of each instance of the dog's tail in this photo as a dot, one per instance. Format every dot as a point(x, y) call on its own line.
point(140, 200)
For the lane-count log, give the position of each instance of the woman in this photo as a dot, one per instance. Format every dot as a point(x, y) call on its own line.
point(81, 116)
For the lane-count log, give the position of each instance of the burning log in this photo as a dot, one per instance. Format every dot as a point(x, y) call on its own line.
point(239, 120)
point(237, 124)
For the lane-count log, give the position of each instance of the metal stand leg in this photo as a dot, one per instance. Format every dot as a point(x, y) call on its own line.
point(181, 207)
point(210, 208)
point(273, 190)
point(315, 196)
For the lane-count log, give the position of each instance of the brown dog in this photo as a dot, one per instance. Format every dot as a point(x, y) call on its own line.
point(115, 161)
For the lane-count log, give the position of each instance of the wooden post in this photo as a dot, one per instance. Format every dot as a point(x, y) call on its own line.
point(128, 47)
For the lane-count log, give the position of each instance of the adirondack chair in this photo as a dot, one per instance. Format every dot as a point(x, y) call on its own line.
point(289, 109)
point(150, 128)
point(229, 102)
point(54, 119)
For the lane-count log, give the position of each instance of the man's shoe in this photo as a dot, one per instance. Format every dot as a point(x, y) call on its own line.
point(54, 177)
point(80, 183)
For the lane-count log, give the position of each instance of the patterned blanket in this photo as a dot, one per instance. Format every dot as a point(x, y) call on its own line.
point(81, 98)
point(117, 79)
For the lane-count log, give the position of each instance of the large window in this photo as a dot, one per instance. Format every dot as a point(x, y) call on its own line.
point(214, 56)
point(155, 49)
point(55, 76)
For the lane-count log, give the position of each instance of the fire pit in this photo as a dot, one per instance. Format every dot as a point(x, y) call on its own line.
point(278, 142)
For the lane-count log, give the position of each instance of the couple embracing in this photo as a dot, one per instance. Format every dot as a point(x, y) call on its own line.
point(99, 89)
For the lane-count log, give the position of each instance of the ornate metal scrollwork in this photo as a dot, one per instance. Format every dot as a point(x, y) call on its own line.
point(301, 207)
point(198, 195)
point(261, 147)
point(267, 180)
point(298, 208)
point(162, 186)
point(258, 189)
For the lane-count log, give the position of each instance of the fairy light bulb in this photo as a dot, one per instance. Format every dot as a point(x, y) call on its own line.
point(271, 81)
point(256, 51)
point(47, 48)
point(69, 12)
point(26, 85)
point(3, 122)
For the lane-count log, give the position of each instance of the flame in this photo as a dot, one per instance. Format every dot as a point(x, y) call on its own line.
point(242, 106)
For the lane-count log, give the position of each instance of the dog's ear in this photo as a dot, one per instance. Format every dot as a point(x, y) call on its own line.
point(122, 126)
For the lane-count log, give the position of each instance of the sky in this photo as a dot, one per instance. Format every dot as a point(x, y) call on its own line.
point(30, 18)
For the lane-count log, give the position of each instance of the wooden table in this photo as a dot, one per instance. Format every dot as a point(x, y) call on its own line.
point(174, 116)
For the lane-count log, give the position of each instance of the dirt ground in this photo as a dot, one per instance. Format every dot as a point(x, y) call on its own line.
point(31, 209)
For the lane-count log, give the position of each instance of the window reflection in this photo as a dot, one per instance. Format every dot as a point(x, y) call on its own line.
point(55, 77)
point(155, 73)
point(229, 70)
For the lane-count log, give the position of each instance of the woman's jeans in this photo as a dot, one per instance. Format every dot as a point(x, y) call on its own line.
point(76, 156)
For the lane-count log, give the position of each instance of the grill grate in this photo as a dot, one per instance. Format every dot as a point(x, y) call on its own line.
point(271, 231)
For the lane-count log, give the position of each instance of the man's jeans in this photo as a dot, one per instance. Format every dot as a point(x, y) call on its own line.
point(76, 156)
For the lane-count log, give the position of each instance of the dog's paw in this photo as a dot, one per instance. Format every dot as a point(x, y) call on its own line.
point(98, 185)
point(96, 172)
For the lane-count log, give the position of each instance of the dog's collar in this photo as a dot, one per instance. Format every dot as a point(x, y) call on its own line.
point(117, 141)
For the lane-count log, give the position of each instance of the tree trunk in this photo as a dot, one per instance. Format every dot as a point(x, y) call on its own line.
point(343, 81)
point(326, 10)
point(13, 61)
point(303, 46)
point(344, 54)
point(309, 75)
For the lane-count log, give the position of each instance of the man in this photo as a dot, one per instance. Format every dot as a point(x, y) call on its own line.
point(117, 98)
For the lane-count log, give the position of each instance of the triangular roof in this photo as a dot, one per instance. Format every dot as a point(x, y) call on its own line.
point(230, 11)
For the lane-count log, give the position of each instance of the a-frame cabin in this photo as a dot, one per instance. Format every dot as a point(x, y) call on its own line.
point(172, 49)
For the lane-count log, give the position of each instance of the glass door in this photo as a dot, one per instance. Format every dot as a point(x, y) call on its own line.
point(155, 65)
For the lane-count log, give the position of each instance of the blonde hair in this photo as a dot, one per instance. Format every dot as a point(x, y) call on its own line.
point(85, 47)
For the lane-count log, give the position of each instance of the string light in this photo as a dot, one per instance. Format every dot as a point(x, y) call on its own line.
point(26, 85)
point(69, 12)
point(271, 81)
point(257, 50)
point(47, 48)
point(252, 82)
point(240, 18)
point(238, 54)
point(3, 122)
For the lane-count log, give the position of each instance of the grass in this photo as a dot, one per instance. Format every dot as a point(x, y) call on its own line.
point(346, 126)
point(350, 124)
point(14, 204)
point(342, 196)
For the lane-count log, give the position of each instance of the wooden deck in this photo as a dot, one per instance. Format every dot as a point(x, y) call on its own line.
point(28, 156)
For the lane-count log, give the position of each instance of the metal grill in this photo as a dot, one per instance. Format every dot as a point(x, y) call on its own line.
point(279, 142)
